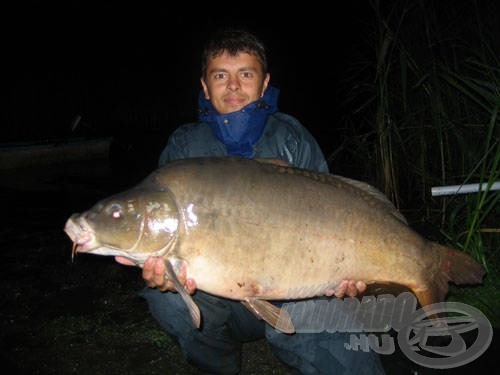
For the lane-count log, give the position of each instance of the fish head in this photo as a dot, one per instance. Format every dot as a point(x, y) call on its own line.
point(135, 224)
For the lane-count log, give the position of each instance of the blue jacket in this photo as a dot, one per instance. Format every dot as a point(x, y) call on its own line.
point(280, 136)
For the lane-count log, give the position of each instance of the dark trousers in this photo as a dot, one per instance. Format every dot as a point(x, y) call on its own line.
point(227, 324)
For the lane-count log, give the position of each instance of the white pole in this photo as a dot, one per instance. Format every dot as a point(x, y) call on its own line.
point(462, 189)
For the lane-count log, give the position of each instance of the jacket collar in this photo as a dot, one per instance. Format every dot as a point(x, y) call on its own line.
point(240, 130)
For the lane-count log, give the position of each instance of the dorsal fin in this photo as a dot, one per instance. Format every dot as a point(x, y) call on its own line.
point(369, 193)
point(372, 193)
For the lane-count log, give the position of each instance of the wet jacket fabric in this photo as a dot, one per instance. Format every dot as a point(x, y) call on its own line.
point(282, 136)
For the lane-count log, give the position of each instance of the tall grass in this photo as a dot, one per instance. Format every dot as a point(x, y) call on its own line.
point(423, 110)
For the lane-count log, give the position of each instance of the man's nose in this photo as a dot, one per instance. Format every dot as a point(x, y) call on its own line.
point(233, 83)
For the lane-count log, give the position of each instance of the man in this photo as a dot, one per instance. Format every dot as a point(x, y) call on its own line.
point(239, 116)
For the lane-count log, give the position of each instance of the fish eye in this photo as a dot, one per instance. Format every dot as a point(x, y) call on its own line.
point(115, 211)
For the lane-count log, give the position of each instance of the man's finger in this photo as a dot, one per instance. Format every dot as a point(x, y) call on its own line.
point(190, 286)
point(148, 269)
point(351, 289)
point(360, 286)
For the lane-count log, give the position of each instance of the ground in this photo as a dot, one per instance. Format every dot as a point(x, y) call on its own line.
point(83, 316)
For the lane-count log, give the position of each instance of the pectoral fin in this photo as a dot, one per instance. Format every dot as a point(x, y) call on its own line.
point(194, 311)
point(276, 317)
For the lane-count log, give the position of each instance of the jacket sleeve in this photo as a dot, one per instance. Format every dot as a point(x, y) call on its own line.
point(191, 140)
point(298, 146)
point(309, 154)
point(175, 149)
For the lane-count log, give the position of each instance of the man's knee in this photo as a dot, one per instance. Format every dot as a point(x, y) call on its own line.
point(169, 310)
point(312, 353)
point(211, 348)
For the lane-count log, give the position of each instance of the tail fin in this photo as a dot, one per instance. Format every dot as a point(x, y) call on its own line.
point(459, 267)
point(453, 266)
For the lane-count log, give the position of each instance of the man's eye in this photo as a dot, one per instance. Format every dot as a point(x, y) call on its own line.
point(219, 76)
point(246, 74)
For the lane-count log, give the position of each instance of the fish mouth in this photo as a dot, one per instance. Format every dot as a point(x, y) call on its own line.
point(84, 241)
point(81, 235)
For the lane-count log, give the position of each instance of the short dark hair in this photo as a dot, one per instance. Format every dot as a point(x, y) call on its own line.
point(233, 41)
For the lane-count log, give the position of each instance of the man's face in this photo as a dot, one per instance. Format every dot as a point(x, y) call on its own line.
point(232, 82)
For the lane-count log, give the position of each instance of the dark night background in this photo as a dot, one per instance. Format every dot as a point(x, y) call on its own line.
point(131, 69)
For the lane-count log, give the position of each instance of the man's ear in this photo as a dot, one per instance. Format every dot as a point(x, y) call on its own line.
point(266, 83)
point(205, 88)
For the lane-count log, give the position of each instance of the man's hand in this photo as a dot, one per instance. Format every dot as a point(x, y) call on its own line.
point(153, 273)
point(350, 288)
